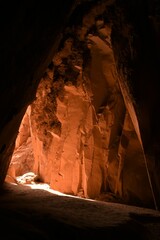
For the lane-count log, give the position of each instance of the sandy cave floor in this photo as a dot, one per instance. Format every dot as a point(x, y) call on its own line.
point(42, 213)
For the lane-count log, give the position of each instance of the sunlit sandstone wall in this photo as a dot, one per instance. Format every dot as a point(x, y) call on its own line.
point(72, 157)
point(83, 137)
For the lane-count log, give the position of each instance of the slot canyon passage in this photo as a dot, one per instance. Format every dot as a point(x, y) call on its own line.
point(79, 125)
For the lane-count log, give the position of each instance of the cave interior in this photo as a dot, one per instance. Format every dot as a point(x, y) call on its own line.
point(79, 99)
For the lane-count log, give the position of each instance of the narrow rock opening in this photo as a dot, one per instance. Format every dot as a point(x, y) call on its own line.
point(81, 134)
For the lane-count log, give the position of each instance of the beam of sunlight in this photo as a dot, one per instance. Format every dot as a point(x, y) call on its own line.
point(46, 187)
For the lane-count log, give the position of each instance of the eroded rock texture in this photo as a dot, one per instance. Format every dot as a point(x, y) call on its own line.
point(89, 126)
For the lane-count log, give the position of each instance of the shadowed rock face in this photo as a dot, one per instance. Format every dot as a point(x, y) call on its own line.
point(90, 124)
point(29, 36)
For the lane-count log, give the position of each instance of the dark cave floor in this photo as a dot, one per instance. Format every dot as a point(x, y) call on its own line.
point(41, 213)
